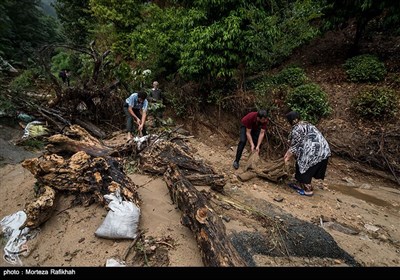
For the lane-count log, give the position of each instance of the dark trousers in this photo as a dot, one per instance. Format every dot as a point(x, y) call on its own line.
point(317, 171)
point(130, 125)
point(243, 140)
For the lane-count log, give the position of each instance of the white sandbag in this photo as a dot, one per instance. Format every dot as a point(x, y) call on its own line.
point(115, 263)
point(15, 237)
point(122, 219)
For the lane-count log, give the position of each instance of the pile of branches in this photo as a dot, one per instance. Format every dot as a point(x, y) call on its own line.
point(378, 147)
point(89, 101)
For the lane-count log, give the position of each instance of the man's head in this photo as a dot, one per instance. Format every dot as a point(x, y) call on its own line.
point(142, 95)
point(262, 116)
point(292, 117)
point(155, 84)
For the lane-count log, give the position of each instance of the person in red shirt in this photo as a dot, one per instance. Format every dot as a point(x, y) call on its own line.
point(252, 129)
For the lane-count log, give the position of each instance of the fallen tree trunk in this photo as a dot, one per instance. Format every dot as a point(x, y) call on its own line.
point(88, 176)
point(215, 246)
point(76, 139)
point(156, 157)
point(216, 181)
point(93, 129)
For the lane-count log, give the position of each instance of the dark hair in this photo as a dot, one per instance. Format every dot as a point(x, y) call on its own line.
point(292, 116)
point(142, 95)
point(262, 114)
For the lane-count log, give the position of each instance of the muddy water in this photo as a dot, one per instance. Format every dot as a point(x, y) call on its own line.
point(350, 191)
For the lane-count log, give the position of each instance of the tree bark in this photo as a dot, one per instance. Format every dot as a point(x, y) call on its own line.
point(89, 173)
point(77, 139)
point(215, 246)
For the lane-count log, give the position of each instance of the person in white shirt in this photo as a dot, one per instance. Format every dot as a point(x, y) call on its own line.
point(135, 109)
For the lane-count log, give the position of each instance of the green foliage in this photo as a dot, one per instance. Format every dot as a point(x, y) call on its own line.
point(338, 12)
point(376, 103)
point(86, 69)
point(269, 93)
point(125, 15)
point(123, 72)
point(25, 81)
point(76, 19)
point(243, 36)
point(291, 76)
point(272, 90)
point(23, 29)
point(365, 68)
point(6, 106)
point(63, 60)
point(272, 36)
point(182, 103)
point(310, 101)
point(33, 144)
point(131, 166)
point(207, 40)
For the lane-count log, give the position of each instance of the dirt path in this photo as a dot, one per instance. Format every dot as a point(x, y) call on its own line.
point(359, 213)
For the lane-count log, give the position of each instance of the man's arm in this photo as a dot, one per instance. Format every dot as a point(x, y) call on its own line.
point(142, 122)
point(248, 135)
point(137, 120)
point(260, 139)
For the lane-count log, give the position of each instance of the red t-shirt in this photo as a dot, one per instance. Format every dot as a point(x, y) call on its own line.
point(250, 121)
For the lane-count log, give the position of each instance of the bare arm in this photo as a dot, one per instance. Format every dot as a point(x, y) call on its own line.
point(137, 120)
point(142, 122)
point(260, 139)
point(248, 135)
point(288, 156)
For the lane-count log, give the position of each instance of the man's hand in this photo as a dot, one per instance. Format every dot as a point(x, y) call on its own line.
point(287, 156)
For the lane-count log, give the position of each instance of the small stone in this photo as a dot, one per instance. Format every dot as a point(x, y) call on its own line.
point(278, 199)
point(81, 240)
point(226, 219)
point(226, 206)
point(382, 237)
point(371, 227)
point(366, 186)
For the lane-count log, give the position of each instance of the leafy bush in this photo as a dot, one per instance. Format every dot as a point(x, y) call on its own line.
point(6, 106)
point(310, 101)
point(25, 81)
point(184, 102)
point(365, 68)
point(376, 103)
point(292, 76)
point(33, 144)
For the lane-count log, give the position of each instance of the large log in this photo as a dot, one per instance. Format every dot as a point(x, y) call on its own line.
point(89, 176)
point(209, 230)
point(76, 139)
point(216, 181)
point(155, 159)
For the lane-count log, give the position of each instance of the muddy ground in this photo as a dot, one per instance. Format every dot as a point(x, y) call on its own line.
point(352, 219)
